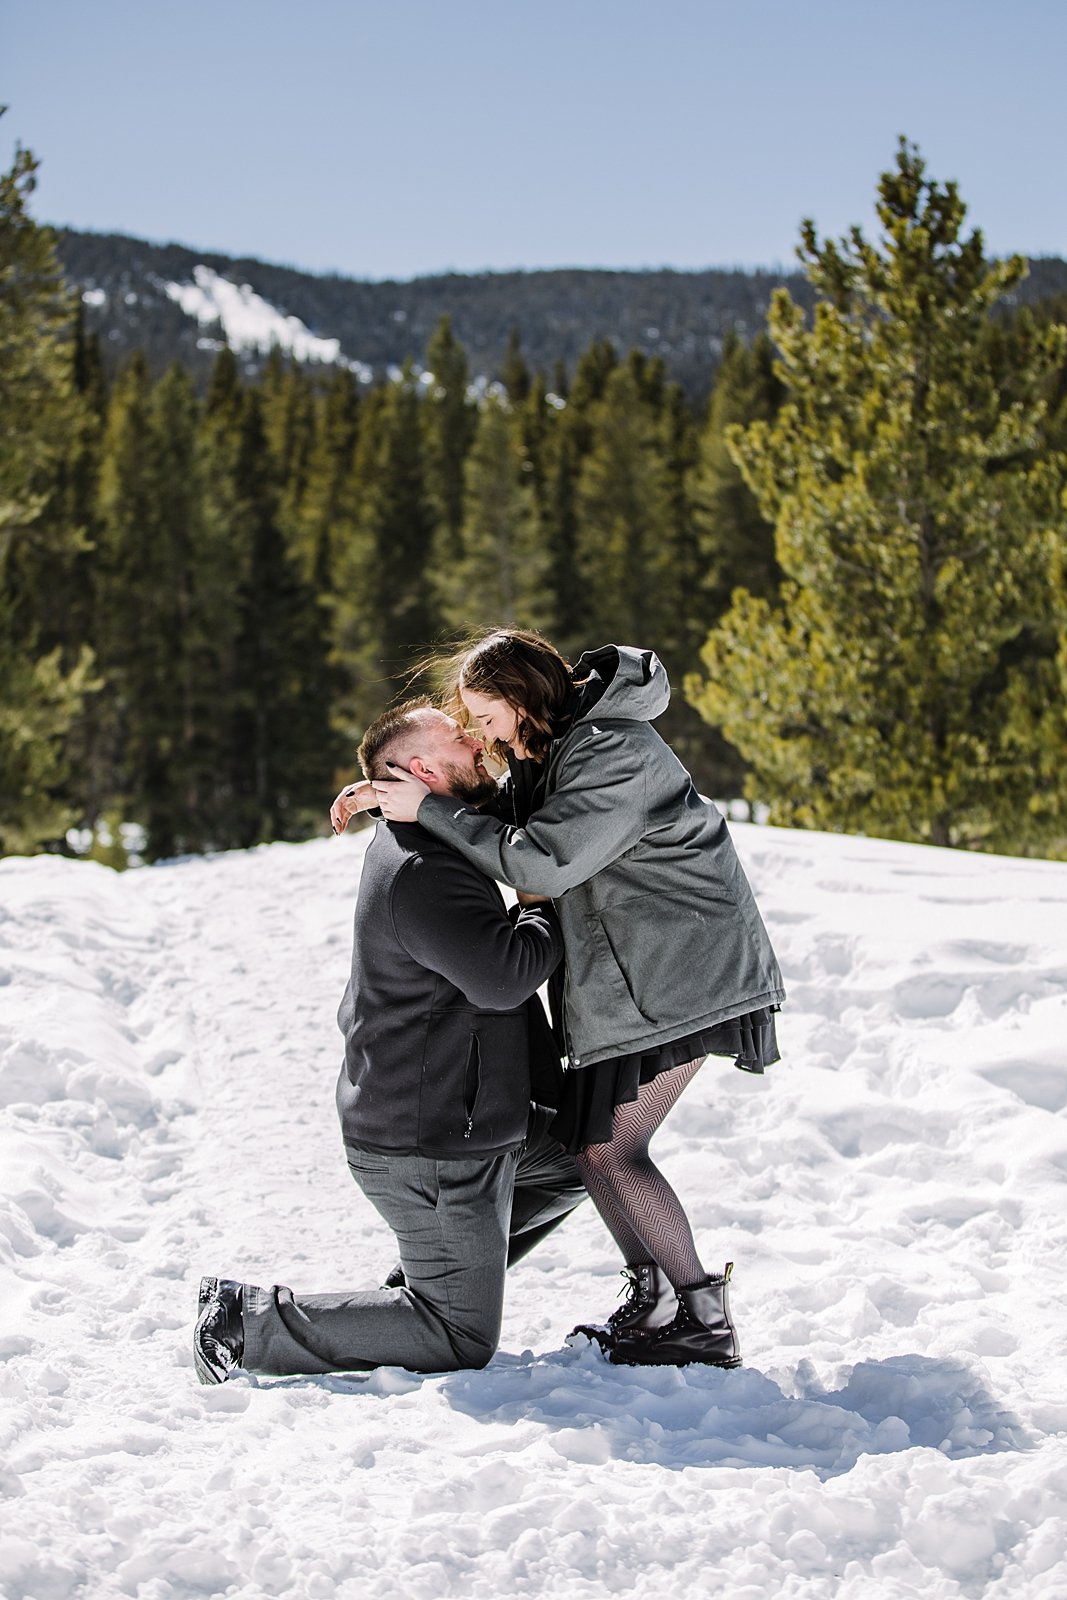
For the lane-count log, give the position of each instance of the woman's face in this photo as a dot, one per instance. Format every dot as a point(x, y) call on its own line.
point(498, 720)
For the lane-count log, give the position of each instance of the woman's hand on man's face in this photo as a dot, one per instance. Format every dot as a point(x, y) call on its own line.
point(354, 797)
point(400, 796)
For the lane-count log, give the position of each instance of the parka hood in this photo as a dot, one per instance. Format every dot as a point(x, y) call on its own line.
point(622, 682)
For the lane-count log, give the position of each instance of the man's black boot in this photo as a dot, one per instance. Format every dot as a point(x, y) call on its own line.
point(218, 1338)
point(702, 1331)
point(650, 1304)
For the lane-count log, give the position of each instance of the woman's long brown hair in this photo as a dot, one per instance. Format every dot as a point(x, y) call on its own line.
point(519, 667)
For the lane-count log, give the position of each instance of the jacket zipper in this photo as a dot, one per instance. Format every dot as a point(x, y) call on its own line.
point(572, 1059)
point(471, 1101)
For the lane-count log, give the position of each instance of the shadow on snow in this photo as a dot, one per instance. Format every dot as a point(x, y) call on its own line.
point(704, 1417)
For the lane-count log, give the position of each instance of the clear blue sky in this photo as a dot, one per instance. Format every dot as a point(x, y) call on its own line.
point(387, 138)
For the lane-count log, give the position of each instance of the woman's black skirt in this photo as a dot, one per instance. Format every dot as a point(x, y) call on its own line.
point(590, 1094)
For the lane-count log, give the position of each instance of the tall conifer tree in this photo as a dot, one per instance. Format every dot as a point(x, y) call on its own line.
point(515, 374)
point(41, 692)
point(385, 610)
point(329, 464)
point(283, 749)
point(130, 577)
point(450, 420)
point(737, 541)
point(623, 506)
point(908, 681)
point(568, 443)
point(501, 575)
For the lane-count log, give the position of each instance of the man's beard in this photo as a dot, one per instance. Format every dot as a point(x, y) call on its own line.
point(472, 785)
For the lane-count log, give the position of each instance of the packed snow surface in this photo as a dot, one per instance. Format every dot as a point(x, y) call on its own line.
point(892, 1195)
point(252, 323)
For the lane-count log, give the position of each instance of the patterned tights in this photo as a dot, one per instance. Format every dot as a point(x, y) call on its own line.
point(642, 1212)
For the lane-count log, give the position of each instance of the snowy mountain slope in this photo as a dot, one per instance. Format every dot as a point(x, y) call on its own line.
point(250, 323)
point(892, 1195)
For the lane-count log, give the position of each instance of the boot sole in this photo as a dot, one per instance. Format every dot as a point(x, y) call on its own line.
point(693, 1361)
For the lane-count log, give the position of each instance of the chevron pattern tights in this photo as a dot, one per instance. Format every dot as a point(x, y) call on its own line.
point(642, 1212)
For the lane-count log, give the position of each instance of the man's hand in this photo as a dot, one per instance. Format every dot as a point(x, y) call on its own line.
point(401, 795)
point(356, 797)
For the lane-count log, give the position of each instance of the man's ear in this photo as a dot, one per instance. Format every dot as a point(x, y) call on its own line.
point(419, 769)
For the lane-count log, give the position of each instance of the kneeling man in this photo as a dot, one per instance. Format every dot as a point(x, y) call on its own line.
point(446, 1044)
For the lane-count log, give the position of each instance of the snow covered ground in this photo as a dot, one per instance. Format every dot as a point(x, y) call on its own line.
point(892, 1195)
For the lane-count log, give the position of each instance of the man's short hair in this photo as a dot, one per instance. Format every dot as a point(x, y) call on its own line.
point(383, 739)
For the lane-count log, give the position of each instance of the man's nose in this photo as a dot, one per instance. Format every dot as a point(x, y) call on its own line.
point(475, 744)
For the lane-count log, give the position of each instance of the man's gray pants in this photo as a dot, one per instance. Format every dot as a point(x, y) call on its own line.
point(452, 1221)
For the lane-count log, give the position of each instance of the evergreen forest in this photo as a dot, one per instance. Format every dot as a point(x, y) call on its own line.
point(851, 556)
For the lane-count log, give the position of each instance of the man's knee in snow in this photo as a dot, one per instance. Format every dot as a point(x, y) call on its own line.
point(474, 1351)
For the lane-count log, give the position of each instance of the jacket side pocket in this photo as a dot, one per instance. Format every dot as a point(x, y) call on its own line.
point(472, 1081)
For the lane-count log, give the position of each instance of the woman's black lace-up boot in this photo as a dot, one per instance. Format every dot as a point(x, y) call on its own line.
point(702, 1331)
point(650, 1303)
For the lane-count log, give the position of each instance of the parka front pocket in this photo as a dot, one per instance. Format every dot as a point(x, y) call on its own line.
point(615, 999)
point(681, 955)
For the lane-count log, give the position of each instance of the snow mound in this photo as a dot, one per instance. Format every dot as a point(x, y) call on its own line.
point(892, 1195)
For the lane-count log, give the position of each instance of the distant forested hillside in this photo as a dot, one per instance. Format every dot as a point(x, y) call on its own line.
point(684, 317)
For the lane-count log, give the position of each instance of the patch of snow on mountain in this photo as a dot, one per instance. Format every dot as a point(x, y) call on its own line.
point(252, 323)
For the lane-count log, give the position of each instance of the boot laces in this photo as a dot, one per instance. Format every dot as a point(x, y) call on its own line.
point(631, 1289)
point(630, 1294)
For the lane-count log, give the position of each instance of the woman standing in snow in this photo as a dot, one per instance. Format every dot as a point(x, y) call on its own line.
point(667, 958)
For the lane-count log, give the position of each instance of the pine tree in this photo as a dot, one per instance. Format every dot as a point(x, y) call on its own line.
point(283, 752)
point(515, 374)
point(384, 607)
point(39, 701)
point(682, 617)
point(288, 407)
point(535, 419)
point(501, 575)
point(149, 620)
point(595, 367)
point(329, 463)
point(737, 541)
point(450, 420)
point(730, 544)
point(68, 587)
point(173, 699)
point(559, 521)
point(908, 681)
point(623, 508)
point(568, 443)
point(41, 689)
point(223, 568)
point(129, 576)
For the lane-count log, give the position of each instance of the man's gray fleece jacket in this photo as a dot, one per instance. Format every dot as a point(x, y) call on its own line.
point(660, 928)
